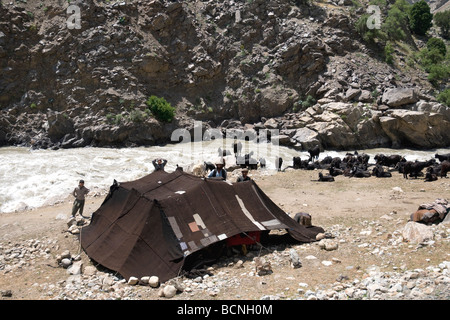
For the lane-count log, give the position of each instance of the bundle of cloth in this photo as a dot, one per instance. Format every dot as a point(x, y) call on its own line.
point(433, 212)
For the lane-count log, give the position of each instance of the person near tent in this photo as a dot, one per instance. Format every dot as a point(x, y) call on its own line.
point(159, 164)
point(244, 176)
point(219, 171)
point(79, 193)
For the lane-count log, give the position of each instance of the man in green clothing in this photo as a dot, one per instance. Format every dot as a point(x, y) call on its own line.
point(79, 193)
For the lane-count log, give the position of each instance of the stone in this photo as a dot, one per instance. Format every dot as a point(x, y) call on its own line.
point(417, 232)
point(133, 281)
point(399, 96)
point(75, 268)
point(90, 270)
point(169, 291)
point(153, 282)
point(262, 266)
point(307, 138)
point(328, 244)
point(295, 259)
point(65, 263)
point(351, 93)
point(144, 279)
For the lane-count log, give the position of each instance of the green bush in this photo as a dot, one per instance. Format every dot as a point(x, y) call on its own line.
point(444, 97)
point(442, 20)
point(396, 21)
point(420, 18)
point(439, 73)
point(137, 115)
point(388, 51)
point(368, 35)
point(436, 43)
point(160, 108)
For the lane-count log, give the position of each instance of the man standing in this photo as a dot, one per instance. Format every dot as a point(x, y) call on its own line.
point(244, 176)
point(79, 193)
point(159, 164)
point(219, 171)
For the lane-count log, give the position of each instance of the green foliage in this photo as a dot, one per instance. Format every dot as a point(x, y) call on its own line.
point(368, 35)
point(388, 51)
point(301, 105)
point(439, 73)
point(435, 63)
point(160, 108)
point(396, 21)
point(442, 20)
point(444, 97)
point(115, 119)
point(420, 18)
point(438, 44)
point(137, 115)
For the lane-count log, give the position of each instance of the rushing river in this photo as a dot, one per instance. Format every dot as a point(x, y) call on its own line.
point(34, 178)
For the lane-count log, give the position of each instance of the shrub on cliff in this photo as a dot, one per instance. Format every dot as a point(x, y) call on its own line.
point(160, 108)
point(442, 20)
point(444, 97)
point(420, 18)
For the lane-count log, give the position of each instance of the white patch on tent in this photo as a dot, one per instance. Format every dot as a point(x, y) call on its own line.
point(229, 182)
point(248, 214)
point(180, 192)
point(271, 223)
point(222, 236)
point(183, 246)
point(192, 245)
point(205, 242)
point(175, 227)
point(199, 221)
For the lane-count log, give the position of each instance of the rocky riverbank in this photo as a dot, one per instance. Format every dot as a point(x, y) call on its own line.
point(301, 69)
point(366, 253)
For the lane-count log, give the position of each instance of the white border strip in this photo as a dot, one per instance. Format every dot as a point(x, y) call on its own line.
point(248, 214)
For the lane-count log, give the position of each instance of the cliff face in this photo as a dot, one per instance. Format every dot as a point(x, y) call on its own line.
point(240, 64)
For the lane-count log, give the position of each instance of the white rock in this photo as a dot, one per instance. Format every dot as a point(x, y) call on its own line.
point(75, 268)
point(133, 281)
point(169, 291)
point(66, 262)
point(145, 279)
point(417, 232)
point(153, 282)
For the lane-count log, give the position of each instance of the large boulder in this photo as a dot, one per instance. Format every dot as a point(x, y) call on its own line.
point(59, 125)
point(416, 232)
point(416, 129)
point(335, 135)
point(397, 97)
point(307, 138)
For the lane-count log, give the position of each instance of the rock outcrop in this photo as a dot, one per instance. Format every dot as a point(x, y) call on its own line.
point(244, 61)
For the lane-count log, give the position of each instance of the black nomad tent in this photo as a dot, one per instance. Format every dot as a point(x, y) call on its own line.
point(151, 225)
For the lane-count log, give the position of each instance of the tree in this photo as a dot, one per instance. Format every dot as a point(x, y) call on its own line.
point(438, 44)
point(394, 24)
point(160, 108)
point(420, 18)
point(442, 20)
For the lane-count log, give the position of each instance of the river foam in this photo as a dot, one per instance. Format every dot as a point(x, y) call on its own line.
point(35, 178)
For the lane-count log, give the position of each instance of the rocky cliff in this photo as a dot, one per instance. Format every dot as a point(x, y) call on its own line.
point(281, 64)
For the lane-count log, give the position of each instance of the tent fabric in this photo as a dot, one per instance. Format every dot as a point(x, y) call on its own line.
point(148, 226)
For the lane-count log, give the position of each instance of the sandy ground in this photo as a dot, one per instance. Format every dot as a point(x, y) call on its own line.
point(349, 204)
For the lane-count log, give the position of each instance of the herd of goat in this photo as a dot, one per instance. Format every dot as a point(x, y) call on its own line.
point(356, 165)
point(352, 165)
